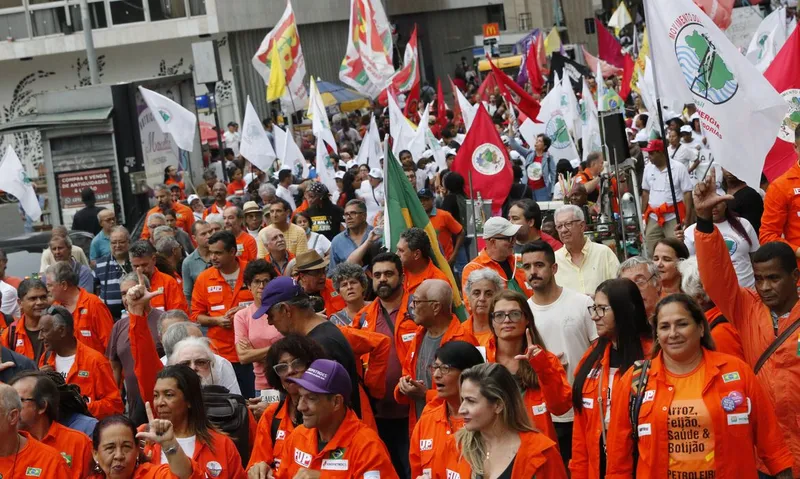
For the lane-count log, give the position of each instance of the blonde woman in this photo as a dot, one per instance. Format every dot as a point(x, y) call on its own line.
point(498, 440)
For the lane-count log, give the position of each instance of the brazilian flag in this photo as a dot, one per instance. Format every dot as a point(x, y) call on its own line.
point(403, 211)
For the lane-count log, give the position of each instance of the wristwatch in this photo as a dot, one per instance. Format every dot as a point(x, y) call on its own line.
point(170, 450)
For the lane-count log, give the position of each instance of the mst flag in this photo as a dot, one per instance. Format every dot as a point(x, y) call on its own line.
point(408, 76)
point(277, 77)
point(285, 38)
point(517, 96)
point(784, 75)
point(15, 181)
point(483, 156)
point(287, 150)
point(367, 65)
point(404, 210)
point(172, 118)
point(739, 110)
point(768, 39)
point(255, 145)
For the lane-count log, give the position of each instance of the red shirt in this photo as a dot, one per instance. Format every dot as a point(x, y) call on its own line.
point(446, 226)
point(535, 177)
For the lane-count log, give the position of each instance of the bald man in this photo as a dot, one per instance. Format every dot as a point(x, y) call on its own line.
point(18, 451)
point(436, 325)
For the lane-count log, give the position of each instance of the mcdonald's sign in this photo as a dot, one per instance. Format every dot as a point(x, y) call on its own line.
point(491, 31)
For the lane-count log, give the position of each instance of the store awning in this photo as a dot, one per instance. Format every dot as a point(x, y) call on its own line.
point(41, 121)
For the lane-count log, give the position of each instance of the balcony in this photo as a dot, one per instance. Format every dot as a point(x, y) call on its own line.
point(30, 28)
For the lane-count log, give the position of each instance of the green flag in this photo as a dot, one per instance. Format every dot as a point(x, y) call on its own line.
point(403, 211)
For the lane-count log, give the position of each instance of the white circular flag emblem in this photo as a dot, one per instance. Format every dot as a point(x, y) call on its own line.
point(488, 159)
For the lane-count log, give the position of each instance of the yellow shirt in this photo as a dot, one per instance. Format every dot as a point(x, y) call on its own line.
point(599, 264)
point(296, 241)
point(690, 428)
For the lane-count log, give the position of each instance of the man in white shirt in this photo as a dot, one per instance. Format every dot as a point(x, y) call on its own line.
point(232, 138)
point(659, 210)
point(681, 152)
point(563, 320)
point(10, 305)
point(372, 193)
point(582, 264)
point(286, 190)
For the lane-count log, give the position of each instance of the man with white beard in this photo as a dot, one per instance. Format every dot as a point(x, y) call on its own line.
point(193, 350)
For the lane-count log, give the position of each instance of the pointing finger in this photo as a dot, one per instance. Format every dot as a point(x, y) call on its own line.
point(149, 411)
point(141, 277)
point(530, 337)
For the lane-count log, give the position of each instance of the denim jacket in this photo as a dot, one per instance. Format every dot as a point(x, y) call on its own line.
point(548, 164)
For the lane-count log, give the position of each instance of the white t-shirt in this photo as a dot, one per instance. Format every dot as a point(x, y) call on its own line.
point(319, 243)
point(232, 141)
point(64, 364)
point(738, 248)
point(372, 197)
point(566, 328)
point(186, 443)
point(231, 278)
point(657, 183)
point(10, 305)
point(686, 155)
point(286, 194)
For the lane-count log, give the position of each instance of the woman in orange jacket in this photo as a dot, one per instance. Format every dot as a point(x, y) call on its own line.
point(696, 412)
point(178, 398)
point(433, 440)
point(625, 337)
point(498, 439)
point(287, 358)
point(116, 452)
point(726, 337)
point(541, 377)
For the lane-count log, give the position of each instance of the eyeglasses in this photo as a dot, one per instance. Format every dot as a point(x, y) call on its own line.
point(443, 368)
point(500, 316)
point(350, 214)
point(27, 400)
point(283, 369)
point(199, 363)
point(259, 282)
point(598, 311)
point(642, 282)
point(415, 301)
point(566, 225)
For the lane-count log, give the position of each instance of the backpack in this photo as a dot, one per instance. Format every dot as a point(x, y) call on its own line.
point(638, 387)
point(228, 413)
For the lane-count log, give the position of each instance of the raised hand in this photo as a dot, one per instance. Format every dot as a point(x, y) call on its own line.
point(532, 350)
point(159, 430)
point(139, 297)
point(705, 195)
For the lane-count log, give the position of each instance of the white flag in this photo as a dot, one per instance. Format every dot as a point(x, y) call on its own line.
point(768, 39)
point(468, 111)
point(15, 181)
point(172, 118)
point(321, 128)
point(370, 152)
point(590, 124)
point(255, 145)
point(417, 146)
point(739, 110)
point(288, 151)
point(284, 35)
point(399, 129)
point(570, 103)
point(554, 125)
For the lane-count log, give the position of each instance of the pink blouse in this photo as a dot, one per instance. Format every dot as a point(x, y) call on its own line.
point(260, 334)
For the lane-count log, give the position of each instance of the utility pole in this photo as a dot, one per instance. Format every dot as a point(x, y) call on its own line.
point(91, 56)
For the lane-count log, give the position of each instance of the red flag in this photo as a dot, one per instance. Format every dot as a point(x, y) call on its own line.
point(523, 101)
point(487, 87)
point(483, 156)
point(608, 47)
point(441, 106)
point(412, 104)
point(784, 74)
point(146, 363)
point(456, 107)
point(534, 70)
point(627, 74)
point(719, 10)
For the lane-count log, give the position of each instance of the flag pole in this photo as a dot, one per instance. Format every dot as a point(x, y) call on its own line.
point(474, 217)
point(661, 124)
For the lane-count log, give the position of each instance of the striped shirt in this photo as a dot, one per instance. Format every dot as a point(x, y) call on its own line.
point(108, 273)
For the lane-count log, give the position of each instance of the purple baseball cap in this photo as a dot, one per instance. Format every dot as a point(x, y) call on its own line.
point(324, 376)
point(280, 289)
